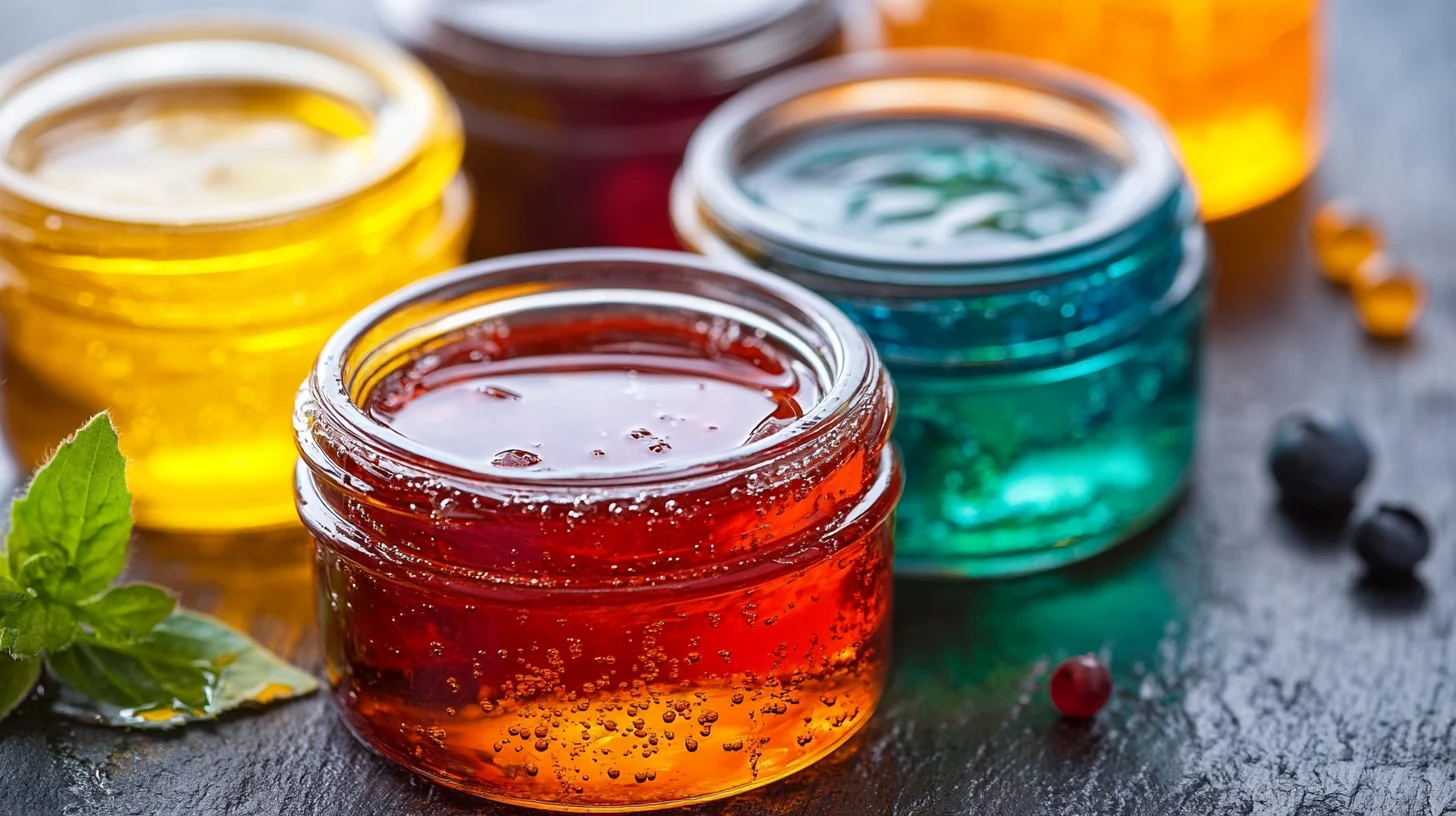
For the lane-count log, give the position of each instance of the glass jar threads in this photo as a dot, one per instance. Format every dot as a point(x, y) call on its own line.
point(187, 210)
point(1236, 79)
point(1019, 242)
point(603, 529)
point(577, 113)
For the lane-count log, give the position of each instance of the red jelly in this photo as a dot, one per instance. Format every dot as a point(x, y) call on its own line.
point(601, 530)
point(1081, 686)
point(577, 114)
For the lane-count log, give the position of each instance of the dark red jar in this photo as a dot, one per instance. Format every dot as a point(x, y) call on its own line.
point(577, 112)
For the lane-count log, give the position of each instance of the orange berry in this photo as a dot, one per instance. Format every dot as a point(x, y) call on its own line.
point(1343, 240)
point(1388, 297)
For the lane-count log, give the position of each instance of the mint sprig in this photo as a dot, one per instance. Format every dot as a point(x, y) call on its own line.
point(125, 655)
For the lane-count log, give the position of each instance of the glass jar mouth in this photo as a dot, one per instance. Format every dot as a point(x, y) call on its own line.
point(399, 97)
point(929, 83)
point(746, 46)
point(359, 353)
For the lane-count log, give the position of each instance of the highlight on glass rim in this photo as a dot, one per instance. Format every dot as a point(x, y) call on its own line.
point(842, 407)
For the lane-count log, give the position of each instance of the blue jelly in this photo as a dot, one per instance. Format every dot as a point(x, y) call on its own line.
point(1024, 249)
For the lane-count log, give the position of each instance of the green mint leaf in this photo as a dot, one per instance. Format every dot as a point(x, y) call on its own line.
point(36, 624)
point(43, 571)
point(17, 678)
point(76, 509)
point(191, 667)
point(124, 689)
point(11, 595)
point(126, 613)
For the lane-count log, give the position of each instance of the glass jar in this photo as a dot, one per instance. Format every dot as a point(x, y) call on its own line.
point(188, 208)
point(1019, 242)
point(1237, 79)
point(563, 539)
point(577, 113)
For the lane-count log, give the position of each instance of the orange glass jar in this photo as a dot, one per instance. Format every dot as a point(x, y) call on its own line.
point(577, 113)
point(601, 530)
point(1236, 79)
point(188, 209)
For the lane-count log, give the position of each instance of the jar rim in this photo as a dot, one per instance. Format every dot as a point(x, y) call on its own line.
point(707, 185)
point(328, 392)
point(779, 34)
point(401, 97)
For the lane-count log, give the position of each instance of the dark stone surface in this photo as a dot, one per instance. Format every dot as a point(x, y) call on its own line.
point(1256, 672)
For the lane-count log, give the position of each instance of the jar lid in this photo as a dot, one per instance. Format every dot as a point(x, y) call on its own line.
point(642, 45)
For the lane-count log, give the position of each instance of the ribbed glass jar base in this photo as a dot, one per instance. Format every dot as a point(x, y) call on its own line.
point(1028, 471)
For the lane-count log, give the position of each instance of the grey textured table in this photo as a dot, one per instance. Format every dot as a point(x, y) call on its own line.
point(1256, 672)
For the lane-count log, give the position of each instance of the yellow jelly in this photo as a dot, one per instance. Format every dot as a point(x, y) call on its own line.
point(1389, 297)
point(1343, 240)
point(188, 209)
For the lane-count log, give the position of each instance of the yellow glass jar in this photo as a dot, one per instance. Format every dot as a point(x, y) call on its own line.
point(1236, 79)
point(188, 209)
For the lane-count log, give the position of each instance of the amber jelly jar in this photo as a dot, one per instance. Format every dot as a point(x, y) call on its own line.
point(577, 114)
point(1237, 80)
point(188, 208)
point(602, 639)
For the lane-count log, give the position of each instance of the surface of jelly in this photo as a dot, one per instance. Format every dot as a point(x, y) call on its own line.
point(629, 27)
point(605, 411)
point(931, 182)
point(189, 146)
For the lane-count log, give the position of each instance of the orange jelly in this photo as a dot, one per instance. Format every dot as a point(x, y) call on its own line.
point(601, 530)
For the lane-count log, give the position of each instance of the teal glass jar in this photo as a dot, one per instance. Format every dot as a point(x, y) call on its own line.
point(1020, 242)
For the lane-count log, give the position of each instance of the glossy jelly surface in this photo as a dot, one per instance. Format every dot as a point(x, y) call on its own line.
point(197, 146)
point(181, 250)
point(931, 183)
point(615, 603)
point(1236, 79)
point(606, 410)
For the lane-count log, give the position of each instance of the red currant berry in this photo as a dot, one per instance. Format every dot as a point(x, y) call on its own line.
point(1081, 686)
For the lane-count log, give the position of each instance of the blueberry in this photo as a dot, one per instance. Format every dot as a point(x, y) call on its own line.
point(1318, 461)
point(1392, 540)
